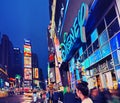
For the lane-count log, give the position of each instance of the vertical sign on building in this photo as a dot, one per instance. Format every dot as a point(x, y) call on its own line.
point(27, 64)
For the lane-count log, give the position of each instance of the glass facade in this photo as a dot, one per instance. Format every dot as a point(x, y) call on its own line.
point(101, 58)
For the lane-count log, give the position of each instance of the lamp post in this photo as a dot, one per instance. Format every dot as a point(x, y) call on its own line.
point(46, 84)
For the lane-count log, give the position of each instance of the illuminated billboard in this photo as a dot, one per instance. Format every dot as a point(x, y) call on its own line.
point(27, 48)
point(27, 62)
point(27, 54)
point(52, 75)
point(57, 47)
point(35, 73)
point(27, 74)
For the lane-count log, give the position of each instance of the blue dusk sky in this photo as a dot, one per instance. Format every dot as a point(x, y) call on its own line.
point(27, 19)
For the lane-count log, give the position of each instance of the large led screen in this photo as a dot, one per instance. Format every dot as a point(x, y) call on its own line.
point(116, 57)
point(94, 35)
point(115, 42)
point(118, 73)
point(27, 62)
point(27, 74)
point(105, 50)
point(27, 48)
point(103, 38)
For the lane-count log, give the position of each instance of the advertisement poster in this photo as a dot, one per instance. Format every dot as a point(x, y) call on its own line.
point(27, 62)
point(27, 74)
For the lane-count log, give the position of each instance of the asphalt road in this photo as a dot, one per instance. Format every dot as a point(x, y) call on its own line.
point(17, 99)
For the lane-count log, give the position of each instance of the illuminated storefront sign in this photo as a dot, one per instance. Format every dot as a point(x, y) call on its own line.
point(77, 32)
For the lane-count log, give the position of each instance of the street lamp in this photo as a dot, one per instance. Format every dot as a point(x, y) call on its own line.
point(46, 83)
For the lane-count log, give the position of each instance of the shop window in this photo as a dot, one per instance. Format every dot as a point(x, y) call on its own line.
point(110, 63)
point(95, 45)
point(110, 16)
point(88, 41)
point(105, 50)
point(103, 38)
point(98, 80)
point(85, 54)
point(116, 57)
point(90, 50)
point(94, 35)
point(101, 27)
point(103, 67)
point(91, 72)
point(91, 59)
point(95, 69)
point(80, 51)
point(87, 63)
point(115, 42)
point(113, 28)
point(115, 82)
point(97, 56)
point(117, 68)
point(82, 58)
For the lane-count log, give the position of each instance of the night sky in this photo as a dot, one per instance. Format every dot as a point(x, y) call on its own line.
point(27, 19)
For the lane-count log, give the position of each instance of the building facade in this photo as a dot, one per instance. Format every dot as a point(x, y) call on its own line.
point(90, 43)
point(35, 70)
point(27, 65)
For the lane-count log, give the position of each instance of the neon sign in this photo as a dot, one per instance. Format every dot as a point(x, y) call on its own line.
point(77, 32)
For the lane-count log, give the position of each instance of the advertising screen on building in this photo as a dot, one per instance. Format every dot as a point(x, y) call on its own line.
point(35, 73)
point(27, 48)
point(27, 74)
point(27, 62)
point(52, 74)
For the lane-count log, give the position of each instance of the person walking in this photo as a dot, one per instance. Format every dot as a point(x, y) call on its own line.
point(83, 92)
point(68, 97)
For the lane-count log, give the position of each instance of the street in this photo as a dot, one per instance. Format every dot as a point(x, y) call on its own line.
point(17, 99)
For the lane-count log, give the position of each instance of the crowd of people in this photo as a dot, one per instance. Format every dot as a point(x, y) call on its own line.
point(82, 94)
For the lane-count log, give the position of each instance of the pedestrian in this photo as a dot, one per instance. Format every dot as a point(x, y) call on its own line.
point(83, 92)
point(69, 97)
point(98, 96)
point(34, 97)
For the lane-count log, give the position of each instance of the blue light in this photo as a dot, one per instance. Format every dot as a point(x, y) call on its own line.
point(77, 74)
point(80, 51)
point(103, 38)
point(105, 50)
point(115, 42)
point(94, 35)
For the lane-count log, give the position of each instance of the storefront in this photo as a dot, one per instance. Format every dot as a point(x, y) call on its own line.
point(99, 54)
point(3, 79)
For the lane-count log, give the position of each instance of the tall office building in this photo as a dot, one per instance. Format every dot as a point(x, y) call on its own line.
point(35, 71)
point(18, 62)
point(6, 62)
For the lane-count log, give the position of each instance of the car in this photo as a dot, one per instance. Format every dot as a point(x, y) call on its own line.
point(28, 94)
